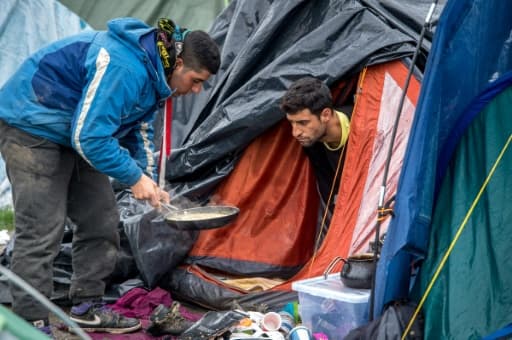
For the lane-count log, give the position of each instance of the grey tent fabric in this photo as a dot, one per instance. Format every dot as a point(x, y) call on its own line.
point(194, 14)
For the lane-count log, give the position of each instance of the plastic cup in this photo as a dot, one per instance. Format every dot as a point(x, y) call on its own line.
point(271, 321)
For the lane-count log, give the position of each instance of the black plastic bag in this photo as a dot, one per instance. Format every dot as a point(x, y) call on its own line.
point(213, 324)
point(391, 325)
point(157, 248)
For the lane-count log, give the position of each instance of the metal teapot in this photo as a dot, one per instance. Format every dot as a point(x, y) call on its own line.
point(357, 271)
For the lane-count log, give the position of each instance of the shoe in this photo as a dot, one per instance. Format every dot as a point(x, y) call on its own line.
point(43, 326)
point(96, 317)
point(168, 321)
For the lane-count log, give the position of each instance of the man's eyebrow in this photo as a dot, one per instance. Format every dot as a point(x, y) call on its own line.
point(301, 121)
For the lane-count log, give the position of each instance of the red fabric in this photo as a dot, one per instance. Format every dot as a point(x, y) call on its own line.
point(167, 129)
point(275, 189)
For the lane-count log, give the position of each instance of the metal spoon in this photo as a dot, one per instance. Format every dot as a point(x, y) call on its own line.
point(169, 207)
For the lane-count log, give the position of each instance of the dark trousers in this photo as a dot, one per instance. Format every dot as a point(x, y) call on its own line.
point(50, 182)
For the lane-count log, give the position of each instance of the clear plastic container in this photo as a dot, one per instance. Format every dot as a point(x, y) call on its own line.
point(327, 306)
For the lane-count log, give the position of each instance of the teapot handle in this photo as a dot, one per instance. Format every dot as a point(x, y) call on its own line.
point(331, 265)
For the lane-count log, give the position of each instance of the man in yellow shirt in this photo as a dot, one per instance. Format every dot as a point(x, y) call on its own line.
point(322, 130)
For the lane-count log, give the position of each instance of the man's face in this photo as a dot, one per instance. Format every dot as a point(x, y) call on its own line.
point(307, 128)
point(184, 80)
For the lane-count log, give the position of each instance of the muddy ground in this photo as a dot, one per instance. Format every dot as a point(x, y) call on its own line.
point(60, 334)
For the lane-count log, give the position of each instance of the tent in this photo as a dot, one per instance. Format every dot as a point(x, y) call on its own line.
point(454, 188)
point(272, 237)
point(231, 142)
point(265, 47)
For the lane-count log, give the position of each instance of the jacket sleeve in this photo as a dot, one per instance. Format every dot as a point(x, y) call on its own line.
point(139, 142)
point(109, 94)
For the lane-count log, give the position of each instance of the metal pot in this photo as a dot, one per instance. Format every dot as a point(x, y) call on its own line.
point(207, 217)
point(357, 272)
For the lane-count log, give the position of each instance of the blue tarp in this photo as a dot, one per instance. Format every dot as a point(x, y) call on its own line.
point(470, 50)
point(25, 26)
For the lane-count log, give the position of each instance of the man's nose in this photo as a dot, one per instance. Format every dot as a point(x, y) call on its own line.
point(296, 132)
point(196, 88)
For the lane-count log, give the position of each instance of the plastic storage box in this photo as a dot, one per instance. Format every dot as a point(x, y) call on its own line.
point(327, 306)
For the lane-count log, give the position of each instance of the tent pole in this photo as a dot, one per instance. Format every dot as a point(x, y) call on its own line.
point(381, 206)
point(16, 280)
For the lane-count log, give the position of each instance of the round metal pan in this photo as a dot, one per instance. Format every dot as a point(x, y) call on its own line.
point(199, 218)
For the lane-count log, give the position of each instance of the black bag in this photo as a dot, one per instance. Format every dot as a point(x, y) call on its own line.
point(213, 324)
point(151, 240)
point(392, 324)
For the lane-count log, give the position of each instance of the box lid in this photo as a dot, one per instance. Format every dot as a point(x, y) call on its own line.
point(332, 288)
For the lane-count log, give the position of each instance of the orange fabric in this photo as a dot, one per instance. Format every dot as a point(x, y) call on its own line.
point(392, 83)
point(362, 148)
point(275, 189)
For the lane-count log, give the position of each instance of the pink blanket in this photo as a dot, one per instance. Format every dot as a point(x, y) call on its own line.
point(139, 303)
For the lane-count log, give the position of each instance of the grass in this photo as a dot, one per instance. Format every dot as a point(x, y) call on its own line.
point(6, 219)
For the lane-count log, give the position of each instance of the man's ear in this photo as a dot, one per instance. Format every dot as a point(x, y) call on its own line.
point(325, 115)
point(179, 63)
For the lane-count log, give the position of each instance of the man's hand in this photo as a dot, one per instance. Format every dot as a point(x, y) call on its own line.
point(164, 196)
point(147, 189)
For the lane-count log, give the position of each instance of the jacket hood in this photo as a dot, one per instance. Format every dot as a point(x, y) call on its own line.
point(130, 30)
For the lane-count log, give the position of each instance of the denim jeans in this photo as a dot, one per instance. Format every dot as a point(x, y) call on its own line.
point(49, 183)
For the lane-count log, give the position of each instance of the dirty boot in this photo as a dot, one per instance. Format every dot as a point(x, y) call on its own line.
point(168, 321)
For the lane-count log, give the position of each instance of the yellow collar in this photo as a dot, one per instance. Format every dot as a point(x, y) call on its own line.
point(345, 130)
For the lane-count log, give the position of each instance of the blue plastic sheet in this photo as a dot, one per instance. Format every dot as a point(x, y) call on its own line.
point(471, 50)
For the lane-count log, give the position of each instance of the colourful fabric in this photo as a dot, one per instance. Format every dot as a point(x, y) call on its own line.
point(353, 224)
point(170, 43)
point(139, 303)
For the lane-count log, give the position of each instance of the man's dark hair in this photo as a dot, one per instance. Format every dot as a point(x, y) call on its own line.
point(200, 52)
point(307, 93)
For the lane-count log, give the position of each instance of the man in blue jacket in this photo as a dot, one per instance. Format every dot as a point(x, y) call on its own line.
point(75, 113)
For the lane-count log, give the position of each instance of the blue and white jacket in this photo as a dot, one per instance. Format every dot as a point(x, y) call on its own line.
point(97, 92)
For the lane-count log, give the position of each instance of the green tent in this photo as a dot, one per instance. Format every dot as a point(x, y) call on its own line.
point(466, 280)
